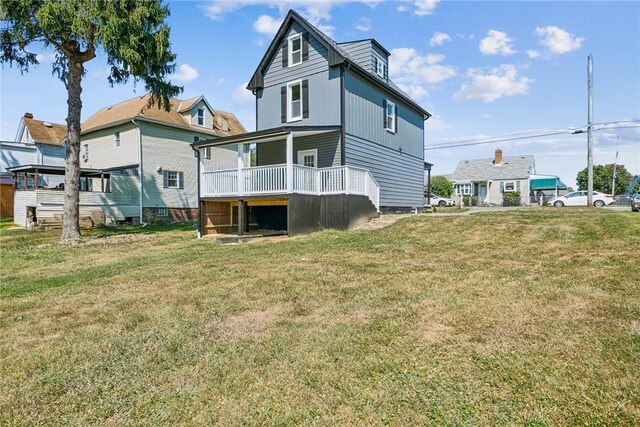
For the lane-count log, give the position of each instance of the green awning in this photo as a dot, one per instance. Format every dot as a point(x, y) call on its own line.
point(547, 184)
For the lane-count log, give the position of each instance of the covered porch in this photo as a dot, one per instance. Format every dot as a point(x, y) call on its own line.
point(270, 177)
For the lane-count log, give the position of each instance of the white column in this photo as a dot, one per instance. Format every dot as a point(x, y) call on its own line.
point(290, 162)
point(240, 167)
point(347, 179)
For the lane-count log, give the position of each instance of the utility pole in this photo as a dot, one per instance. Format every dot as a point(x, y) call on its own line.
point(613, 180)
point(589, 133)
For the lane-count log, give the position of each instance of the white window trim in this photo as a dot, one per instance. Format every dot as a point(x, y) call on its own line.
point(464, 189)
point(391, 128)
point(290, 50)
point(204, 117)
point(206, 153)
point(85, 152)
point(178, 179)
point(116, 139)
point(380, 68)
point(504, 186)
point(289, 116)
point(302, 153)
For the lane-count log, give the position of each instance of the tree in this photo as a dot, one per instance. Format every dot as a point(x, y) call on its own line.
point(603, 176)
point(131, 33)
point(441, 186)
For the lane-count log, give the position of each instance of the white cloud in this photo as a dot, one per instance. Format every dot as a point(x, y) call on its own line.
point(46, 57)
point(316, 12)
point(435, 123)
point(533, 54)
point(243, 104)
point(500, 82)
point(558, 41)
point(439, 38)
point(496, 43)
point(425, 7)
point(363, 24)
point(185, 74)
point(486, 116)
point(267, 25)
point(411, 71)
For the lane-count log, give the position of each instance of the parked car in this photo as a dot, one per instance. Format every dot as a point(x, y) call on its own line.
point(635, 202)
point(438, 201)
point(579, 198)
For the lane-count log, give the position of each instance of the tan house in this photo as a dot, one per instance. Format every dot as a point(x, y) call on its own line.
point(142, 140)
point(489, 179)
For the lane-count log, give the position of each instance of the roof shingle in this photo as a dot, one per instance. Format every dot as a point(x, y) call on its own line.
point(513, 167)
point(45, 132)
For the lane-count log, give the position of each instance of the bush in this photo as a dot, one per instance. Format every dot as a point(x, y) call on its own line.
point(441, 186)
point(511, 199)
point(472, 199)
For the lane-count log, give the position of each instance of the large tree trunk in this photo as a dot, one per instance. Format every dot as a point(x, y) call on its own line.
point(70, 221)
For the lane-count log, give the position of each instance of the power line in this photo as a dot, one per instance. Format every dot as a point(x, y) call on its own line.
point(507, 138)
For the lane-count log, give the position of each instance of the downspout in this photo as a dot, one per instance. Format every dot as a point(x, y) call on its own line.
point(140, 171)
point(343, 132)
point(197, 151)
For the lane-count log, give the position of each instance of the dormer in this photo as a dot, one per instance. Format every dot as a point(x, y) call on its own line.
point(370, 55)
point(197, 112)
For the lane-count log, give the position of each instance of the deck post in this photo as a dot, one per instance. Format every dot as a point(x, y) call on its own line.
point(102, 182)
point(347, 179)
point(240, 169)
point(35, 180)
point(241, 217)
point(289, 162)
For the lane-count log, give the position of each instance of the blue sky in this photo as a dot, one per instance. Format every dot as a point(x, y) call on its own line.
point(481, 68)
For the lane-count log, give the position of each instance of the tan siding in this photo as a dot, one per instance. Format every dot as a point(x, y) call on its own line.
point(102, 150)
point(168, 149)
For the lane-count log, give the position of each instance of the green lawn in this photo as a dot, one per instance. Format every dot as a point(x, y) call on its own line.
point(527, 317)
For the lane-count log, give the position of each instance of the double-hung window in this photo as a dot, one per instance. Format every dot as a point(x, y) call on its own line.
point(85, 152)
point(173, 179)
point(116, 139)
point(295, 50)
point(509, 186)
point(390, 115)
point(200, 116)
point(294, 101)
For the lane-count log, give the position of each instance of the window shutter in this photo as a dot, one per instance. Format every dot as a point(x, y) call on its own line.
point(395, 118)
point(386, 72)
point(502, 187)
point(285, 54)
point(283, 104)
point(518, 186)
point(305, 47)
point(165, 182)
point(375, 64)
point(180, 180)
point(305, 99)
point(384, 113)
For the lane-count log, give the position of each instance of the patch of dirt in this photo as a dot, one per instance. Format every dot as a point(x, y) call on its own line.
point(382, 221)
point(101, 240)
point(436, 332)
point(430, 325)
point(249, 324)
point(325, 316)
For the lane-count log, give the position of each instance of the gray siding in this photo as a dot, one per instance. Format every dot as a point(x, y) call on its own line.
point(400, 176)
point(364, 118)
point(360, 52)
point(328, 145)
point(14, 154)
point(52, 154)
point(324, 88)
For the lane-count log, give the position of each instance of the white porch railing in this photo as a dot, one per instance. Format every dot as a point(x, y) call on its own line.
point(306, 180)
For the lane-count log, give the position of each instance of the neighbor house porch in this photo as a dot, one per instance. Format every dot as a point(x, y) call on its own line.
point(290, 179)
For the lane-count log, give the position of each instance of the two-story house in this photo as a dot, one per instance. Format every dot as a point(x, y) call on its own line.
point(37, 143)
point(336, 142)
point(137, 139)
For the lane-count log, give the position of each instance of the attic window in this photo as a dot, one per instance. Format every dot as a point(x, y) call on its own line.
point(295, 50)
point(200, 116)
point(47, 124)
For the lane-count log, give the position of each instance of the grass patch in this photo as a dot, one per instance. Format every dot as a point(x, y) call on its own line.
point(526, 317)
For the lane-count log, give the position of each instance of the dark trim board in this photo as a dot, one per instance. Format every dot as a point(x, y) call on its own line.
point(307, 214)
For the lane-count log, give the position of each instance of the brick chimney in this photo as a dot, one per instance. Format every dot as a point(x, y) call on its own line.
point(498, 159)
point(28, 115)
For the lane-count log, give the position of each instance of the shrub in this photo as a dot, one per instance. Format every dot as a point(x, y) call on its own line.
point(511, 199)
point(441, 186)
point(472, 199)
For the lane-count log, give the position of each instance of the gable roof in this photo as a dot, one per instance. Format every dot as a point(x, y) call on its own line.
point(138, 109)
point(337, 56)
point(514, 167)
point(45, 132)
